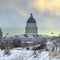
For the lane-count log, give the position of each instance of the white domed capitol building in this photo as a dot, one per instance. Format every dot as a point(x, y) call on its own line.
point(31, 33)
point(30, 36)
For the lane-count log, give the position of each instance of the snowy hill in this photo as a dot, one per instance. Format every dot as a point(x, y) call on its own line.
point(25, 55)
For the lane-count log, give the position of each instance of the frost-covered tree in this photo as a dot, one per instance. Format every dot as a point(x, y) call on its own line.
point(35, 54)
point(55, 45)
point(2, 45)
point(17, 43)
point(7, 51)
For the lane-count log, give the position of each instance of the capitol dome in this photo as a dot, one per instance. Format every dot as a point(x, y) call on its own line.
point(31, 26)
point(31, 19)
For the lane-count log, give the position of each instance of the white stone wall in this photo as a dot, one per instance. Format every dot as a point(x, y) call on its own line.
point(31, 28)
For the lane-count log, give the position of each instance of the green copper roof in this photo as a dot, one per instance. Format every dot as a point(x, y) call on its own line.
point(31, 19)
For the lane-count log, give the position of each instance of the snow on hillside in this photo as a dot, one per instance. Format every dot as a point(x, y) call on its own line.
point(25, 55)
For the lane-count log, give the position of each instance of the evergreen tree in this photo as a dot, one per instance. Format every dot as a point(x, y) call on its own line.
point(1, 34)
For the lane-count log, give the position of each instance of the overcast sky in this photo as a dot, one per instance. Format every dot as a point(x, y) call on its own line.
point(15, 13)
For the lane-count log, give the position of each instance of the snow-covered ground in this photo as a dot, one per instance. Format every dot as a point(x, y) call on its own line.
point(17, 54)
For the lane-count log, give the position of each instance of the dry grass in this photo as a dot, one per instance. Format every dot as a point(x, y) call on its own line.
point(53, 53)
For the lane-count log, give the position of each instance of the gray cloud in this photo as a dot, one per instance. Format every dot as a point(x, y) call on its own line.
point(24, 7)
